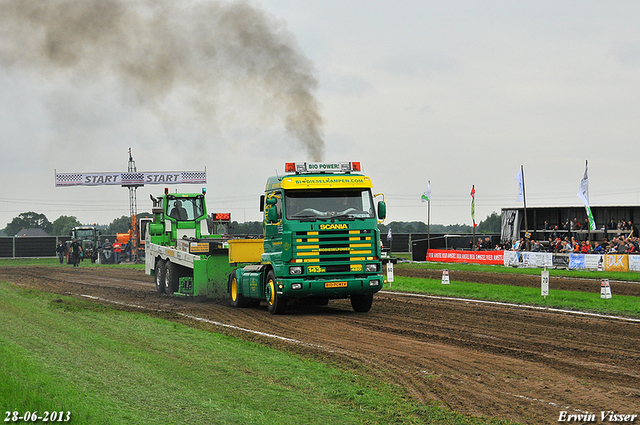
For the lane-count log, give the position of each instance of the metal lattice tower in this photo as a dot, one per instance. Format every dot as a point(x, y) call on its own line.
point(133, 211)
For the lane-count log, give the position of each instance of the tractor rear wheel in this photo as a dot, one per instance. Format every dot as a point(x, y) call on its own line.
point(159, 275)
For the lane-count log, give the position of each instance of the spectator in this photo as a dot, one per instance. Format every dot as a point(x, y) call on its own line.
point(633, 230)
point(127, 251)
point(117, 247)
point(585, 247)
point(597, 248)
point(60, 250)
point(622, 246)
point(76, 249)
point(565, 228)
point(566, 247)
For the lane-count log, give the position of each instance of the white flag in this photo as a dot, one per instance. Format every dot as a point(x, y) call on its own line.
point(426, 196)
point(583, 194)
point(389, 235)
point(520, 181)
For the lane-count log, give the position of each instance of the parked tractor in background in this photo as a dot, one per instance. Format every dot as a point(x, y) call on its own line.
point(89, 239)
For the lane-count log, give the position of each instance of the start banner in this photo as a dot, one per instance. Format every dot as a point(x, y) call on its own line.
point(130, 178)
point(452, 256)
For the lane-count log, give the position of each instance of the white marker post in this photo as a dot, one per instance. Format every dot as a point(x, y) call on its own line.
point(445, 277)
point(605, 289)
point(544, 285)
point(389, 272)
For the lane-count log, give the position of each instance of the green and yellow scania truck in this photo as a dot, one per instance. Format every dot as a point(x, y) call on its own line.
point(321, 242)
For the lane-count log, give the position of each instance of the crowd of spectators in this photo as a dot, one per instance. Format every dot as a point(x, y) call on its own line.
point(624, 239)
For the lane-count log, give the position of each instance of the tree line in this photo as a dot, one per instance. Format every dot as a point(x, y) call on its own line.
point(63, 225)
point(491, 224)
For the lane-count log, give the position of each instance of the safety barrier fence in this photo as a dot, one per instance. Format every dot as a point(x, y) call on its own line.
point(45, 246)
point(604, 262)
point(35, 246)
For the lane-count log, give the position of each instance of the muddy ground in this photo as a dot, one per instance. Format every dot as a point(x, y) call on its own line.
point(481, 359)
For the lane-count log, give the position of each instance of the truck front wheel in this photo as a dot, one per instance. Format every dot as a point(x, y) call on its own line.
point(171, 278)
point(276, 304)
point(159, 274)
point(361, 303)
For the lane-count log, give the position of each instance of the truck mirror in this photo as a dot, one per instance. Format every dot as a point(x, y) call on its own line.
point(272, 214)
point(261, 203)
point(382, 210)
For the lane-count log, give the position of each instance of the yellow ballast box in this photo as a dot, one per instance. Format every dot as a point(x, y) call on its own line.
point(245, 250)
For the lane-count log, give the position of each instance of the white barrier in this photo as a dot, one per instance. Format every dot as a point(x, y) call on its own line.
point(528, 259)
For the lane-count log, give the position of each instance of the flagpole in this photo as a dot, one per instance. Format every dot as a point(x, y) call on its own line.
point(524, 200)
point(473, 216)
point(586, 165)
point(429, 219)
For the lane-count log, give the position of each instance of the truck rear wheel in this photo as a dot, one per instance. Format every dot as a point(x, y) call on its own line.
point(159, 275)
point(275, 303)
point(171, 278)
point(235, 298)
point(361, 303)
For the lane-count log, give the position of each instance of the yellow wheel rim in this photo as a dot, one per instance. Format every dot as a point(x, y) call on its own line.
point(272, 292)
point(234, 289)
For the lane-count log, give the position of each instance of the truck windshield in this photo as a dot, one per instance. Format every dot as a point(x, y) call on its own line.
point(185, 209)
point(82, 234)
point(325, 204)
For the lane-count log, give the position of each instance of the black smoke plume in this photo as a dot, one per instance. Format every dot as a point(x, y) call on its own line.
point(161, 47)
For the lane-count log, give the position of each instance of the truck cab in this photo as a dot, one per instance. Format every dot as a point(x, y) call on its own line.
point(321, 239)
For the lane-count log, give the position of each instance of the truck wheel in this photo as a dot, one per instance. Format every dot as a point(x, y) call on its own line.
point(171, 278)
point(361, 303)
point(235, 298)
point(159, 272)
point(276, 304)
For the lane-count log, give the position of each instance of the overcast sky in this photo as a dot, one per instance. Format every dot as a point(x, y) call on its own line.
point(458, 93)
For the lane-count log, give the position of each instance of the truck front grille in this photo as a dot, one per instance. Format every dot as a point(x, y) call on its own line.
point(333, 251)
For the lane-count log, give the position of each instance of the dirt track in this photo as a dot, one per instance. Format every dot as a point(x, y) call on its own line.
point(482, 359)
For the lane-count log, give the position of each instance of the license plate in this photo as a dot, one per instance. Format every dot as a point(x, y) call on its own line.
point(335, 284)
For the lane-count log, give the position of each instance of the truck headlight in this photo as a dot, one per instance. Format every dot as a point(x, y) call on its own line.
point(295, 270)
point(374, 283)
point(296, 286)
point(372, 267)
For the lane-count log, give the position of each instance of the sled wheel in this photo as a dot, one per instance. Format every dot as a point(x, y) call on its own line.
point(171, 278)
point(159, 272)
